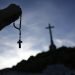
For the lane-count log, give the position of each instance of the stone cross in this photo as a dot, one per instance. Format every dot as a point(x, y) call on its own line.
point(52, 46)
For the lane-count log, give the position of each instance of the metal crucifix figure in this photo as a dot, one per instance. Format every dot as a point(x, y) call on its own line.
point(52, 46)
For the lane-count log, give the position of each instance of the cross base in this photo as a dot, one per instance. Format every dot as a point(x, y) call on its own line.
point(52, 48)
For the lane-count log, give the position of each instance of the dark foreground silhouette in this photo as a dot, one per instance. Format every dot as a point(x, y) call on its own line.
point(9, 14)
point(63, 55)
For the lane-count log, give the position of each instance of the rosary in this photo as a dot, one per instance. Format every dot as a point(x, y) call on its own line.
point(19, 28)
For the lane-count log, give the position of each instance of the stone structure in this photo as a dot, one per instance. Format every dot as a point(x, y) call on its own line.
point(52, 47)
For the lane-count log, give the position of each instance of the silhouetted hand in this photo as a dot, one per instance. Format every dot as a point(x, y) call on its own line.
point(9, 15)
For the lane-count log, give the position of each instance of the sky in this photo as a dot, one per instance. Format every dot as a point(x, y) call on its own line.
point(36, 15)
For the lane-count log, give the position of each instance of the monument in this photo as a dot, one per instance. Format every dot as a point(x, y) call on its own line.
point(52, 46)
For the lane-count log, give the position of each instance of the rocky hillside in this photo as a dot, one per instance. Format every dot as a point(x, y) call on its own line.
point(37, 64)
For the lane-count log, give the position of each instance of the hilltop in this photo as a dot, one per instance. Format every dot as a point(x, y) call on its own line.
point(63, 55)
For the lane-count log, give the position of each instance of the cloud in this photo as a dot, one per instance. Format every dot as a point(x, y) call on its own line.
point(11, 54)
point(64, 42)
point(36, 16)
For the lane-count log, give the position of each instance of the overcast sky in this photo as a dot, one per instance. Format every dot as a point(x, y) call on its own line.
point(37, 14)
